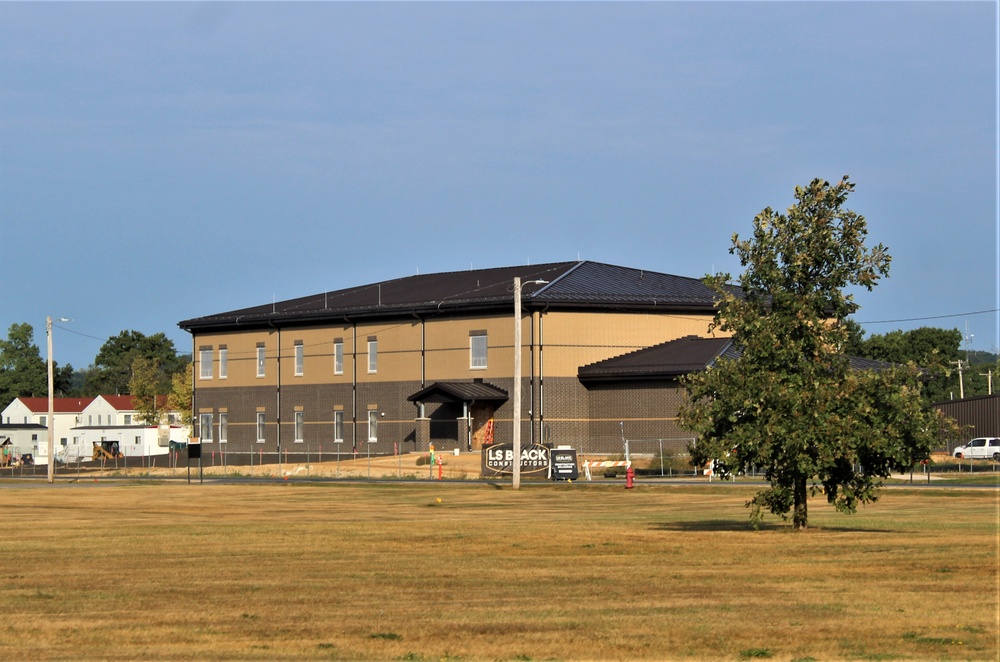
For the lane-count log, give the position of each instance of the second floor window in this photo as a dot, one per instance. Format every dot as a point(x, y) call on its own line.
point(372, 355)
point(300, 359)
point(223, 363)
point(477, 350)
point(205, 358)
point(338, 357)
point(260, 361)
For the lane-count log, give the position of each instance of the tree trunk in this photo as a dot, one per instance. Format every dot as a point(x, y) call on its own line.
point(800, 516)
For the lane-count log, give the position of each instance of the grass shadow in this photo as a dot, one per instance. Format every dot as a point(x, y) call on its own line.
point(744, 525)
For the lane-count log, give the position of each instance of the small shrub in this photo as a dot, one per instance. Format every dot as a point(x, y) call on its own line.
point(755, 652)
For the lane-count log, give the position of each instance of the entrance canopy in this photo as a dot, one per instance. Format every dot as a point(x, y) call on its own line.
point(451, 392)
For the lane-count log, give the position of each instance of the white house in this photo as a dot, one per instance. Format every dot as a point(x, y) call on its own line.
point(28, 411)
point(80, 422)
point(114, 420)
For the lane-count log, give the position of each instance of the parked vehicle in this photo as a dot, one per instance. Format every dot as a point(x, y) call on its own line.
point(980, 448)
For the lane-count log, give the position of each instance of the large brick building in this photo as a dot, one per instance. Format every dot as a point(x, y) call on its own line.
point(429, 359)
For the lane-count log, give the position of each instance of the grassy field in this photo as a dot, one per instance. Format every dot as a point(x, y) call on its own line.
point(464, 571)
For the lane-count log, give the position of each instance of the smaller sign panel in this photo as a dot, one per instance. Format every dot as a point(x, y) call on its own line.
point(564, 466)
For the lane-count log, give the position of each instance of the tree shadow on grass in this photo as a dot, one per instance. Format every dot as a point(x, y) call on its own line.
point(708, 525)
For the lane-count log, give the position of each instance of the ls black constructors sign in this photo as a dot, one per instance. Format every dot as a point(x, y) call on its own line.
point(499, 460)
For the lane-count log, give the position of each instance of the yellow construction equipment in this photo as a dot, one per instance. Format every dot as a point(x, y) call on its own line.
point(106, 450)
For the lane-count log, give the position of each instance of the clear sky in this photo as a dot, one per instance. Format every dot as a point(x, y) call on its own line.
point(163, 161)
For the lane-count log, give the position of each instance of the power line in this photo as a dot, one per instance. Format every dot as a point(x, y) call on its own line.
point(933, 317)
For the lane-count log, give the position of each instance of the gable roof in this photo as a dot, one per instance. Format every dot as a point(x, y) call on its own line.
point(127, 402)
point(459, 392)
point(568, 285)
point(60, 405)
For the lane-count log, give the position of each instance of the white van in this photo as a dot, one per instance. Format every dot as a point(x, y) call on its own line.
point(980, 448)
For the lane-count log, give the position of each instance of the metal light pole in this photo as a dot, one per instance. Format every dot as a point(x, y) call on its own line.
point(516, 484)
point(50, 421)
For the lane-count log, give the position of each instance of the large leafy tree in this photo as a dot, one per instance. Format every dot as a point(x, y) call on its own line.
point(143, 386)
point(181, 395)
point(112, 369)
point(791, 405)
point(23, 372)
point(935, 350)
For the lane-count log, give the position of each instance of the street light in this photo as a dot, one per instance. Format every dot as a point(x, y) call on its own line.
point(50, 421)
point(517, 377)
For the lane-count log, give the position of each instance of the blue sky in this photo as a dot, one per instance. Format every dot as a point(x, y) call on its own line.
point(162, 161)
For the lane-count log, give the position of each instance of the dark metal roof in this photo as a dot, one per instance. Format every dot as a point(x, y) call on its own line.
point(680, 357)
point(664, 361)
point(459, 392)
point(568, 285)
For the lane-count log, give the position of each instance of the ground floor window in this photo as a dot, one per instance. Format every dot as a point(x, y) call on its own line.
point(205, 425)
point(261, 420)
point(338, 426)
point(372, 426)
point(299, 427)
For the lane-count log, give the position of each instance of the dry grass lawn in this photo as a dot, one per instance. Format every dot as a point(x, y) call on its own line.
point(464, 571)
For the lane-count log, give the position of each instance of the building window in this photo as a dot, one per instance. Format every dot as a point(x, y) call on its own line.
point(477, 350)
point(223, 363)
point(260, 427)
point(372, 355)
point(205, 358)
point(41, 420)
point(128, 419)
point(223, 428)
point(205, 425)
point(300, 426)
point(372, 426)
point(260, 361)
point(338, 426)
point(338, 357)
point(300, 358)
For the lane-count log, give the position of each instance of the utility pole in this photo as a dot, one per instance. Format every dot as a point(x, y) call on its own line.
point(49, 421)
point(989, 380)
point(961, 384)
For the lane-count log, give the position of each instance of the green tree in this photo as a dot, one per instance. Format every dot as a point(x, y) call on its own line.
point(790, 405)
point(181, 395)
point(143, 388)
point(112, 369)
point(23, 371)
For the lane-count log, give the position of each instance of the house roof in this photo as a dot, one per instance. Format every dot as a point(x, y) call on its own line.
point(666, 360)
point(60, 405)
point(680, 357)
point(568, 285)
point(459, 392)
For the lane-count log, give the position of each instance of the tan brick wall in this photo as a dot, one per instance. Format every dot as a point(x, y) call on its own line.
point(574, 339)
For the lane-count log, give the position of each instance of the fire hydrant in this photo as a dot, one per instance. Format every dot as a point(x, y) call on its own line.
point(629, 477)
